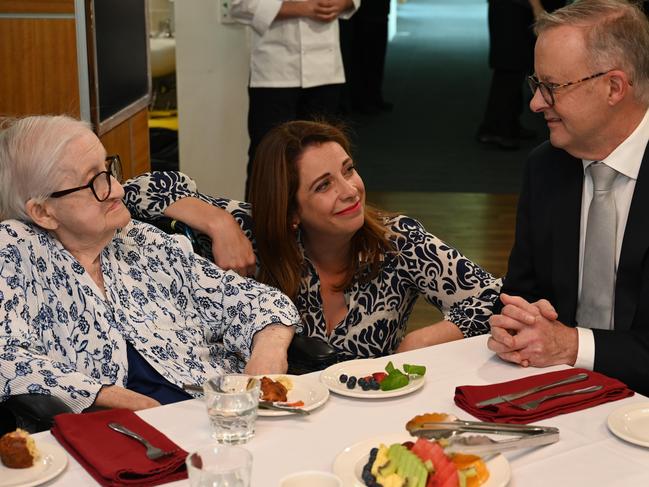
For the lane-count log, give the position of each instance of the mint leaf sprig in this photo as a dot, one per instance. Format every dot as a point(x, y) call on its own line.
point(397, 379)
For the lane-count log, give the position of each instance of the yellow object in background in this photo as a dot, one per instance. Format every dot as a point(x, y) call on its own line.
point(164, 119)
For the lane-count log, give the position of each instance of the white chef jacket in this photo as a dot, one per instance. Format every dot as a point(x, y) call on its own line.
point(290, 53)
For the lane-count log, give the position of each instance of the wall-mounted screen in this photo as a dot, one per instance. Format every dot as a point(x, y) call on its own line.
point(121, 49)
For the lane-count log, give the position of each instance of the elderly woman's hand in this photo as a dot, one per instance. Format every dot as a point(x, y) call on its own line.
point(269, 350)
point(119, 397)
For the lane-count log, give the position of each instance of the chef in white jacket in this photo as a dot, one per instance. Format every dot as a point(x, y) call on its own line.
point(296, 68)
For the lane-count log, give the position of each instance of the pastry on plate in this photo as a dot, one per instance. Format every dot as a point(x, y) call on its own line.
point(18, 449)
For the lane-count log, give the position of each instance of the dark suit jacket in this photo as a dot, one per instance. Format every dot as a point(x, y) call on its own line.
point(544, 262)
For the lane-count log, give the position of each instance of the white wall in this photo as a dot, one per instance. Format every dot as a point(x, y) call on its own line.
point(212, 77)
point(392, 19)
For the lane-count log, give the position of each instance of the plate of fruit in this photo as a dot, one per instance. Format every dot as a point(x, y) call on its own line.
point(373, 378)
point(396, 459)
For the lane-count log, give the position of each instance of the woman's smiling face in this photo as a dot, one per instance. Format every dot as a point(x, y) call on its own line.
point(331, 195)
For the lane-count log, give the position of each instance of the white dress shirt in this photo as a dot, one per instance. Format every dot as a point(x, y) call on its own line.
point(290, 53)
point(626, 160)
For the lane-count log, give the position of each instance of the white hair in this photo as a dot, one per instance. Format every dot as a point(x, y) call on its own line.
point(31, 152)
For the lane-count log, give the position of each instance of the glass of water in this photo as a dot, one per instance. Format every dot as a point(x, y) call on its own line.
point(232, 401)
point(219, 466)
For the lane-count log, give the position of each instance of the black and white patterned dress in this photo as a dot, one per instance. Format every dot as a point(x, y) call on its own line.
point(60, 335)
point(378, 311)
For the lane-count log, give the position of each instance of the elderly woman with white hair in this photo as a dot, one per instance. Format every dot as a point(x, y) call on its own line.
point(100, 310)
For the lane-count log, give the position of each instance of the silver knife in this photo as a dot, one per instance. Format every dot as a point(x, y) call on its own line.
point(515, 395)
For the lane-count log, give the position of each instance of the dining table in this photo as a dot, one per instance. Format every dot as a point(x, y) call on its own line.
point(586, 454)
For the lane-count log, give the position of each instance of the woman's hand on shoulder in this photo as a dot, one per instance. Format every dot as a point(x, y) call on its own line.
point(230, 246)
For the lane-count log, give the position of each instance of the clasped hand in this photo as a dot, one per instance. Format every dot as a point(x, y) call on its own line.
point(530, 334)
point(328, 10)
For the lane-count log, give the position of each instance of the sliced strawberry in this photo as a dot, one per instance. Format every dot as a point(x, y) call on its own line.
point(408, 444)
point(379, 376)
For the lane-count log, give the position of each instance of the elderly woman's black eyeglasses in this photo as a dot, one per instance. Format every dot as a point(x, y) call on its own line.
point(548, 89)
point(100, 183)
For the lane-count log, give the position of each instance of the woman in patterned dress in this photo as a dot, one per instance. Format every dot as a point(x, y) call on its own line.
point(100, 310)
point(353, 271)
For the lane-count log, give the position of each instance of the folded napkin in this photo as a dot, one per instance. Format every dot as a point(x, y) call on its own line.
point(112, 458)
point(466, 397)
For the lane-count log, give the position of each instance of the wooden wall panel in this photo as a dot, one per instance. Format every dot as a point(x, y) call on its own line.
point(37, 6)
point(130, 139)
point(118, 141)
point(140, 137)
point(38, 62)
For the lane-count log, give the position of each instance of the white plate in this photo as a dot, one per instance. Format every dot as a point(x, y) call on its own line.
point(310, 391)
point(631, 423)
point(349, 463)
point(51, 462)
point(361, 368)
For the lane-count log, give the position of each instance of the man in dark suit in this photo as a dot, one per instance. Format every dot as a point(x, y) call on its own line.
point(577, 288)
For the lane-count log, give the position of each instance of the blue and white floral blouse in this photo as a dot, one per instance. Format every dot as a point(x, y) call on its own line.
point(421, 264)
point(59, 335)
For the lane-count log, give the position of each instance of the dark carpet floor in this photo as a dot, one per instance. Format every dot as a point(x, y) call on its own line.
point(437, 76)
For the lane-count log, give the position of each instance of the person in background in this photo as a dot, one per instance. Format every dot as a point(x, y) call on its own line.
point(577, 288)
point(354, 272)
point(369, 48)
point(99, 310)
point(296, 68)
point(511, 56)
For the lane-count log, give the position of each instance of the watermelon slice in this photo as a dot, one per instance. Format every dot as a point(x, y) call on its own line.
point(445, 471)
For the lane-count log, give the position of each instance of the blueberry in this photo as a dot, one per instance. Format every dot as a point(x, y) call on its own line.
point(374, 385)
point(343, 378)
point(351, 382)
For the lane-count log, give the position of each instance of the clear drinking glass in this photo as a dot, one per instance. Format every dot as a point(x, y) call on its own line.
point(219, 466)
point(232, 401)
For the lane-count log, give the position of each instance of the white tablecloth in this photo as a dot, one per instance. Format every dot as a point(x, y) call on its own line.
point(587, 454)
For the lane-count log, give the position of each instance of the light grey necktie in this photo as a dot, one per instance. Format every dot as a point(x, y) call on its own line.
point(595, 306)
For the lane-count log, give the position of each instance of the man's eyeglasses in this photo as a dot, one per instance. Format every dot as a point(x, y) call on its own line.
point(100, 183)
point(548, 89)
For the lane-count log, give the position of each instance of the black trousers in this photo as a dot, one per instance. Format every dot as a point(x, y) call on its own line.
point(370, 43)
point(270, 107)
point(511, 55)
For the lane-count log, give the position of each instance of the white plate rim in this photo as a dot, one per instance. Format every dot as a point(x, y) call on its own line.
point(615, 422)
point(329, 377)
point(312, 384)
point(57, 465)
point(345, 462)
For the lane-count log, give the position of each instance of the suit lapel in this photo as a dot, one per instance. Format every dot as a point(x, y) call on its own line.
point(634, 248)
point(565, 238)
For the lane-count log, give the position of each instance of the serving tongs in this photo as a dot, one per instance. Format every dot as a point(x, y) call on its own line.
point(446, 429)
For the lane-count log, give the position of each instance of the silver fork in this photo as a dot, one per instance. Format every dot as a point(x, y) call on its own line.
point(528, 406)
point(152, 452)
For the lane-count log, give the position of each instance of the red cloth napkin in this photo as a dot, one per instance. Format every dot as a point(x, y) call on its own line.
point(112, 458)
point(466, 397)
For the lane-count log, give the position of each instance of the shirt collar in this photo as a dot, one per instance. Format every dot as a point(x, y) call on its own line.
point(627, 157)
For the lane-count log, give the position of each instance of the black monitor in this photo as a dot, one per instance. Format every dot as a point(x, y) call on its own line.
point(118, 39)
